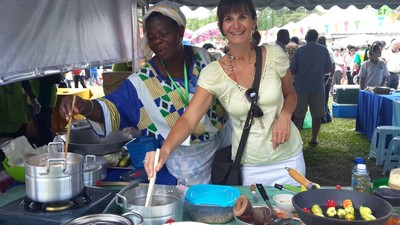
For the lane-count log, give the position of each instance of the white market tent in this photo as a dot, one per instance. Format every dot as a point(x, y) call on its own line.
point(360, 26)
point(41, 37)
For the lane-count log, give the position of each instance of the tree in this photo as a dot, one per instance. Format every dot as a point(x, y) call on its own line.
point(267, 18)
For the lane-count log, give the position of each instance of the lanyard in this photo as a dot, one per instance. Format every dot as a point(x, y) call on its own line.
point(185, 98)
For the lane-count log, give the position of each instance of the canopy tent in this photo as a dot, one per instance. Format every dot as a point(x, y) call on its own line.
point(364, 24)
point(291, 4)
point(41, 37)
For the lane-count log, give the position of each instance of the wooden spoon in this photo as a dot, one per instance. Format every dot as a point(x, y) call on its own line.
point(69, 128)
point(152, 181)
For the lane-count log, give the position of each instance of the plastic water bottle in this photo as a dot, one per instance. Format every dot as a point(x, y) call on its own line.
point(360, 180)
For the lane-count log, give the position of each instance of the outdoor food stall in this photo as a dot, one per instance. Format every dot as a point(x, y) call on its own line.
point(44, 37)
point(171, 204)
point(55, 192)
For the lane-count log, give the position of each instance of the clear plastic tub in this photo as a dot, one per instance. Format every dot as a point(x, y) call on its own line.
point(209, 203)
point(210, 214)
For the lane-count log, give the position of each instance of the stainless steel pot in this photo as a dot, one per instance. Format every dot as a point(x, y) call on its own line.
point(167, 203)
point(50, 177)
point(109, 219)
point(91, 171)
point(104, 165)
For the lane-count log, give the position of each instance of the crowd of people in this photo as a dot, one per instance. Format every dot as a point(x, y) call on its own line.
point(195, 101)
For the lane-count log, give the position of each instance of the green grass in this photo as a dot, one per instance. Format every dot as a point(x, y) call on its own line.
point(332, 161)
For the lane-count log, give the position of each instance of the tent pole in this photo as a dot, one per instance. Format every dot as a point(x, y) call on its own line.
point(135, 37)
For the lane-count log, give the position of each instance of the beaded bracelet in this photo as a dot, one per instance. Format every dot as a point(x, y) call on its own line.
point(91, 108)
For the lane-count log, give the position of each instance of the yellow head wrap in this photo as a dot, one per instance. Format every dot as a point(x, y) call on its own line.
point(167, 8)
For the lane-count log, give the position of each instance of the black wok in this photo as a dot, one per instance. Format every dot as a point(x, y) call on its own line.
point(87, 142)
point(381, 209)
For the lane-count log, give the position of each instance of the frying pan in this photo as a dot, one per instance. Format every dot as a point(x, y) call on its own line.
point(381, 209)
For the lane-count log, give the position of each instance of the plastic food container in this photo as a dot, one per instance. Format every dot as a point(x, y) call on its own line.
point(209, 203)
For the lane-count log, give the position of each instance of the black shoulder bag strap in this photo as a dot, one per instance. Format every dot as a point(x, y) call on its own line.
point(247, 125)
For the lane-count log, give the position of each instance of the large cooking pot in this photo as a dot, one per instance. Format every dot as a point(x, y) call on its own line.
point(84, 141)
point(52, 177)
point(167, 203)
point(381, 209)
point(109, 219)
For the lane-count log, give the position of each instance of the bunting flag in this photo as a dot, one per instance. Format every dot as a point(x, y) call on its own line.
point(394, 16)
point(326, 28)
point(293, 32)
point(336, 27)
point(346, 25)
point(302, 31)
point(357, 23)
point(380, 18)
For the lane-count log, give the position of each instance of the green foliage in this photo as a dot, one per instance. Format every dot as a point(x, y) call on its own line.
point(194, 24)
point(267, 18)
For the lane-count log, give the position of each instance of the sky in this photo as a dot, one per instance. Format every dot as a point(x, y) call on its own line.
point(200, 13)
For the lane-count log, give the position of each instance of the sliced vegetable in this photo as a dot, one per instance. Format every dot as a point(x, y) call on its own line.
point(331, 212)
point(349, 210)
point(366, 213)
point(341, 213)
point(347, 203)
point(368, 217)
point(316, 210)
point(365, 210)
point(307, 209)
point(349, 216)
point(330, 203)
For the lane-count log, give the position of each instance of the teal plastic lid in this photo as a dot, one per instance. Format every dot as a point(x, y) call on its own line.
point(209, 194)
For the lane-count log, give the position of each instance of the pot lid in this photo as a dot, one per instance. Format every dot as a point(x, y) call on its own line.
point(208, 194)
point(111, 219)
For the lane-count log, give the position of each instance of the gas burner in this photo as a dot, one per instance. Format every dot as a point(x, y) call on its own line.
point(81, 200)
point(93, 201)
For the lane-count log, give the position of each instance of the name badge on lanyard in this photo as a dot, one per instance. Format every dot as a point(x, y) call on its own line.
point(184, 96)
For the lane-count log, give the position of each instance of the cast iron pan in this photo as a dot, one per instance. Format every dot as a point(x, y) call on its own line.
point(381, 209)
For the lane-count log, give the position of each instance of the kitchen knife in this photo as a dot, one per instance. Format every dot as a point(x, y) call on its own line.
point(301, 179)
point(264, 195)
point(254, 193)
point(275, 219)
point(287, 187)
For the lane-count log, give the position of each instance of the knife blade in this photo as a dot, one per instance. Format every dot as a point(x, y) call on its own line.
point(254, 193)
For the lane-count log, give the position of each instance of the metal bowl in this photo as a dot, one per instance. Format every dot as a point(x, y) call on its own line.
point(381, 209)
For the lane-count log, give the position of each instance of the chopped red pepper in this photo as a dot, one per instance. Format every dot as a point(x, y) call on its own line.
point(330, 203)
point(307, 210)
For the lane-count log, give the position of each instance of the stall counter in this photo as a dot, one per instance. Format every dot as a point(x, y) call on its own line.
point(19, 191)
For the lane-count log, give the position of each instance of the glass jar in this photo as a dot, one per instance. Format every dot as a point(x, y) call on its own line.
point(395, 218)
